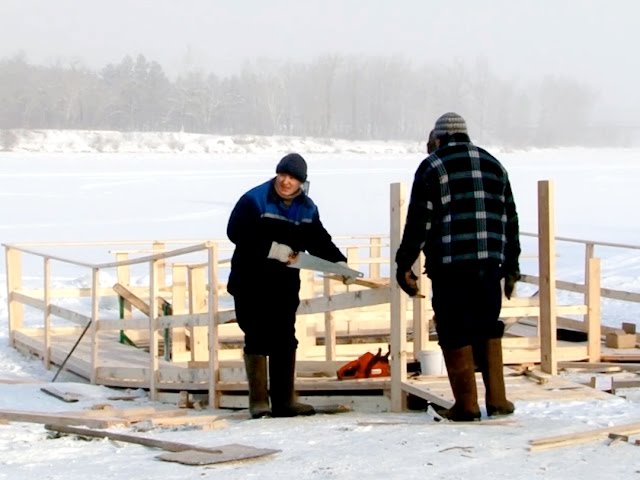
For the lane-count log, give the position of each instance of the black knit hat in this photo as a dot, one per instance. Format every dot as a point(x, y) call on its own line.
point(293, 164)
point(449, 124)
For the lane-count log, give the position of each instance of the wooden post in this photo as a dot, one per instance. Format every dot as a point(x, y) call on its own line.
point(95, 303)
point(178, 304)
point(589, 249)
point(547, 271)
point(420, 320)
point(199, 348)
point(353, 257)
point(159, 247)
point(124, 278)
point(14, 282)
point(375, 252)
point(305, 340)
point(398, 304)
point(46, 357)
point(212, 302)
point(593, 309)
point(153, 330)
point(329, 324)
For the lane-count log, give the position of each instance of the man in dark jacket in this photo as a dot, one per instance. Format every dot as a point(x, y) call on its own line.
point(463, 216)
point(269, 225)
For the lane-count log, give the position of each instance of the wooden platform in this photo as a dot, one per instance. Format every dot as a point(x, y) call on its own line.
point(437, 389)
point(126, 366)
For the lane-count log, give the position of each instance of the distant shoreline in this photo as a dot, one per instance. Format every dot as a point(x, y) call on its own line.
point(102, 141)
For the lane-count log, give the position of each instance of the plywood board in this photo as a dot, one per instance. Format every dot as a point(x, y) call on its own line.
point(228, 453)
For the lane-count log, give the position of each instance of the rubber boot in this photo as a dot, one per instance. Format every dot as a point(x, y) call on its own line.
point(282, 371)
point(462, 377)
point(493, 377)
point(256, 366)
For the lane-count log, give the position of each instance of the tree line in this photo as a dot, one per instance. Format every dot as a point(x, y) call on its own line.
point(337, 96)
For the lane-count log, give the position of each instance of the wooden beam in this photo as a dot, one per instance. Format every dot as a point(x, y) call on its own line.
point(95, 312)
point(46, 354)
point(329, 324)
point(13, 259)
point(547, 254)
point(153, 313)
point(214, 345)
point(593, 317)
point(398, 301)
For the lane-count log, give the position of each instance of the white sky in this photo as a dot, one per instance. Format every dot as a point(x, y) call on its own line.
point(590, 40)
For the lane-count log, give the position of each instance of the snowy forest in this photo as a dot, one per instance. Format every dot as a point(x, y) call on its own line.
point(350, 97)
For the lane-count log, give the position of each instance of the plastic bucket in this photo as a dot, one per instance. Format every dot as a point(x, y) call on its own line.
point(432, 362)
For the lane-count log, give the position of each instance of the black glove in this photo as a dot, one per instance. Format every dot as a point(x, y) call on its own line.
point(407, 281)
point(510, 280)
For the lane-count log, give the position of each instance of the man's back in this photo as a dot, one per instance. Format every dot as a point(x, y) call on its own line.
point(470, 198)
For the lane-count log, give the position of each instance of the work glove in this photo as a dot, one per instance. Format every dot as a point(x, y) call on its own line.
point(510, 280)
point(281, 252)
point(346, 279)
point(407, 281)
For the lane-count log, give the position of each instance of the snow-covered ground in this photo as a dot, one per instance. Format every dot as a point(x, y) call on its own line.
point(87, 196)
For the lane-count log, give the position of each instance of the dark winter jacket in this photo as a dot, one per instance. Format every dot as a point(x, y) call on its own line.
point(461, 210)
point(261, 217)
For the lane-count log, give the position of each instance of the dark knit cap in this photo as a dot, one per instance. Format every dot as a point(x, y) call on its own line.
point(449, 124)
point(293, 164)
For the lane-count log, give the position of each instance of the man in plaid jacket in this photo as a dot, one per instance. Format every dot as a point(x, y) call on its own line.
point(463, 217)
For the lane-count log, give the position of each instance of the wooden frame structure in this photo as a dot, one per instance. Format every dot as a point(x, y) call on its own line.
point(183, 348)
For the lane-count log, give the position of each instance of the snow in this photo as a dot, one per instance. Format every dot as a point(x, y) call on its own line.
point(79, 195)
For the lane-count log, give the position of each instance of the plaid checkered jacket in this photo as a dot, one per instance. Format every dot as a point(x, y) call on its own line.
point(461, 209)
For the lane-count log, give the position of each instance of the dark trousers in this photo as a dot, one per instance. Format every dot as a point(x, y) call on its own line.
point(268, 321)
point(467, 299)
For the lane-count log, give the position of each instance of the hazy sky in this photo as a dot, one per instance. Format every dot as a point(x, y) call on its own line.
point(592, 40)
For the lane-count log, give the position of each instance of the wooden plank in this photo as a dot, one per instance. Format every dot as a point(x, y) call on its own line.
point(343, 301)
point(189, 420)
point(621, 358)
point(69, 315)
point(68, 397)
point(423, 392)
point(228, 453)
point(363, 282)
point(224, 453)
point(59, 419)
point(582, 437)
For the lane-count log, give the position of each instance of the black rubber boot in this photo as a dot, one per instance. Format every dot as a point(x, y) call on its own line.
point(462, 377)
point(256, 366)
point(493, 377)
point(282, 371)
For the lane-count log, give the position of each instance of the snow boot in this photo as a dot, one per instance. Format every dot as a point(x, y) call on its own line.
point(462, 377)
point(493, 377)
point(282, 372)
point(256, 366)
